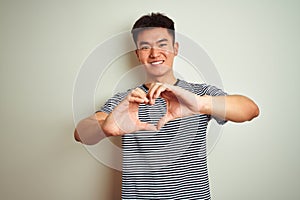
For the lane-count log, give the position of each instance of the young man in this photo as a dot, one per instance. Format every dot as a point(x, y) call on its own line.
point(163, 122)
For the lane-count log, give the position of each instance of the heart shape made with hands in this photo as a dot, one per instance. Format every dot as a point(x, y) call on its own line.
point(180, 103)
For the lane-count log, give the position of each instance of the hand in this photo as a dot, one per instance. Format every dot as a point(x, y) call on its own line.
point(124, 118)
point(180, 102)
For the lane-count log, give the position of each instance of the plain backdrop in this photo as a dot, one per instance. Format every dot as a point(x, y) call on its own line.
point(254, 44)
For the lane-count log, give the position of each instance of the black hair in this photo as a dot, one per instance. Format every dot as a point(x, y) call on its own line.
point(153, 20)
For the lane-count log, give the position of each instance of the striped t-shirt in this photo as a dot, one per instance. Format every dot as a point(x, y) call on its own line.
point(170, 163)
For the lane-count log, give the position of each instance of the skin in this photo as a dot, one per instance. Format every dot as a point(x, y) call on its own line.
point(156, 51)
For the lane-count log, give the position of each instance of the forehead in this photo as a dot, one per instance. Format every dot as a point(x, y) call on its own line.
point(153, 35)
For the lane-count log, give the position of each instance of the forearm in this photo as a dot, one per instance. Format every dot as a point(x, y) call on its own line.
point(236, 108)
point(88, 131)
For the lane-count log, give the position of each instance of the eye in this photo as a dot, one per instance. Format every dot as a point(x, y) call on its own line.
point(145, 47)
point(162, 45)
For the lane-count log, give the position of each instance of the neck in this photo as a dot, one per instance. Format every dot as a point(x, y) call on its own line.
point(163, 79)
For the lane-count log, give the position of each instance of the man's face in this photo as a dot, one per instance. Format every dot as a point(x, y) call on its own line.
point(156, 51)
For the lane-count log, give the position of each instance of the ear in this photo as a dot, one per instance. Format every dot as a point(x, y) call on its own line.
point(137, 54)
point(176, 47)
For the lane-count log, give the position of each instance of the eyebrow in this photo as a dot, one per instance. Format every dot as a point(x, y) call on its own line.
point(162, 40)
point(143, 43)
point(147, 43)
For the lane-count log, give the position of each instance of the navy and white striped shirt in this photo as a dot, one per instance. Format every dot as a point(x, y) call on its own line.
point(170, 163)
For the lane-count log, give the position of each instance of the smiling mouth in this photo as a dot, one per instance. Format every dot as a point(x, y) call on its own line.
point(159, 62)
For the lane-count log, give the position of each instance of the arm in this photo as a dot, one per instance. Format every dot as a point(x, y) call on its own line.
point(236, 108)
point(89, 131)
point(122, 120)
point(181, 103)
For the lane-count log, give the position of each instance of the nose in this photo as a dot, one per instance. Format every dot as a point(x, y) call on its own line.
point(154, 52)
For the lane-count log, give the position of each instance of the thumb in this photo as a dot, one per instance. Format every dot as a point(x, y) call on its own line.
point(162, 122)
point(147, 126)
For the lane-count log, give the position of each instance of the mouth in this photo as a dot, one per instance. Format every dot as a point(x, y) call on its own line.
point(157, 62)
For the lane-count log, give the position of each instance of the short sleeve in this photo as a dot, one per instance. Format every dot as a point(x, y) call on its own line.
point(111, 103)
point(204, 89)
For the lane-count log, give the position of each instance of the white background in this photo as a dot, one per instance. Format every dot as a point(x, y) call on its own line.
point(254, 45)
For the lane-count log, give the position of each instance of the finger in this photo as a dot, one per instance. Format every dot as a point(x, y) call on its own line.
point(133, 99)
point(168, 94)
point(138, 92)
point(158, 91)
point(152, 94)
point(152, 89)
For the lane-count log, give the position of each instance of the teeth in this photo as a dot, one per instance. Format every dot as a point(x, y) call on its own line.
point(157, 62)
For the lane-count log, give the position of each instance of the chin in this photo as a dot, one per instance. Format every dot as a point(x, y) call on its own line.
point(157, 74)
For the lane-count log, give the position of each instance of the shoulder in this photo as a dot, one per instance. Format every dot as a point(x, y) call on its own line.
point(200, 88)
point(119, 96)
point(113, 101)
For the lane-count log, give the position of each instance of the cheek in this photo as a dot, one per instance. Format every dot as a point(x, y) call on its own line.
point(169, 55)
point(142, 57)
point(168, 52)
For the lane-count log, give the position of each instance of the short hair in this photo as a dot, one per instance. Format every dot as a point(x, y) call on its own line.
point(153, 20)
